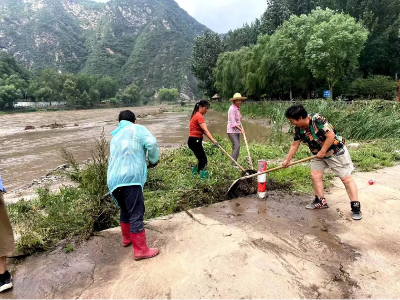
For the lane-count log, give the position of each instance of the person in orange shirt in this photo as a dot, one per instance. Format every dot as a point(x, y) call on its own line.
point(197, 128)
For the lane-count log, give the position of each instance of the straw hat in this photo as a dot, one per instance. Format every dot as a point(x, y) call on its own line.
point(237, 96)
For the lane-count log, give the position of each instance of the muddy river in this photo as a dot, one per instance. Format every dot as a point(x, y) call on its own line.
point(29, 154)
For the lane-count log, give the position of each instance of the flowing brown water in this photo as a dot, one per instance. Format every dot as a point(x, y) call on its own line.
point(30, 154)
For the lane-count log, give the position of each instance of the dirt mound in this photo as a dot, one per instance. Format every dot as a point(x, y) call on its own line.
point(249, 187)
point(53, 126)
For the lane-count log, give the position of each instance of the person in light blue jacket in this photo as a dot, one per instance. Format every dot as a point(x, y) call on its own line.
point(126, 176)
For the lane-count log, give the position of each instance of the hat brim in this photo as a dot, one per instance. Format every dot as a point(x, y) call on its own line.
point(239, 98)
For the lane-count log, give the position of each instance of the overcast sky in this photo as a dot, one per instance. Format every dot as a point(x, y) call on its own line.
point(222, 15)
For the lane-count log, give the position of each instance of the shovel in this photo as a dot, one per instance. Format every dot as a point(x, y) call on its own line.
point(248, 150)
point(248, 172)
point(235, 183)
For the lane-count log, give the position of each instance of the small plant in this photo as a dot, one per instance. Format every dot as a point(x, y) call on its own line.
point(68, 249)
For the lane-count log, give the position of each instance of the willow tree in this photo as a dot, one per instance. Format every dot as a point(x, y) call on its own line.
point(334, 45)
point(230, 74)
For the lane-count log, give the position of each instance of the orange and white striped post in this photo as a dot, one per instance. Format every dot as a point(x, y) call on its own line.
point(262, 179)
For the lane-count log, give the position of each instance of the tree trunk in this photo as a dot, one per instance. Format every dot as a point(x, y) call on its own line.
point(308, 94)
point(331, 89)
point(291, 94)
point(396, 76)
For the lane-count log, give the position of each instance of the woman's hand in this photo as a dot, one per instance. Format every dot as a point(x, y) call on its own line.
point(285, 163)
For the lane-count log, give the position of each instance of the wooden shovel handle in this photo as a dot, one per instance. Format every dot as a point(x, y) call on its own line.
point(232, 159)
point(281, 167)
point(248, 150)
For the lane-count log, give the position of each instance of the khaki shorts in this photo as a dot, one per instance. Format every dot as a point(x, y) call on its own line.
point(6, 232)
point(341, 165)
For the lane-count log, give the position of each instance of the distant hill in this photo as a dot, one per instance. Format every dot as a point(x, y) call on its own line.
point(148, 42)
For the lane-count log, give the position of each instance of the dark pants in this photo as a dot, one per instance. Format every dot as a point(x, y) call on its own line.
point(235, 139)
point(196, 145)
point(130, 200)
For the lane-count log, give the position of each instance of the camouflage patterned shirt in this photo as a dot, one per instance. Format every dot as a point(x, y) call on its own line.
point(314, 135)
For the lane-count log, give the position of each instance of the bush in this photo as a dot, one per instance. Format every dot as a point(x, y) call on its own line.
point(382, 87)
point(168, 94)
point(114, 101)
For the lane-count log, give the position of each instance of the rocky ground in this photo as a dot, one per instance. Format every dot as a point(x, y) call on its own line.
point(53, 180)
point(243, 248)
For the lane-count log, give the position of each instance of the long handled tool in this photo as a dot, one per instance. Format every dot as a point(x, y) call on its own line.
point(249, 172)
point(248, 150)
point(235, 183)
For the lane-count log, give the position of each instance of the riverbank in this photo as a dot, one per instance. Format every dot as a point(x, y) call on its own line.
point(171, 188)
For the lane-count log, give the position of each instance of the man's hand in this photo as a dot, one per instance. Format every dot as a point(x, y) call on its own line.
point(285, 163)
point(151, 166)
point(321, 154)
point(216, 144)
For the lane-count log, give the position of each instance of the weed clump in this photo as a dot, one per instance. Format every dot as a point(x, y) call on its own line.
point(72, 212)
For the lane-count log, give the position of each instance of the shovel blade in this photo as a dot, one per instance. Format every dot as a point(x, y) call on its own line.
point(233, 186)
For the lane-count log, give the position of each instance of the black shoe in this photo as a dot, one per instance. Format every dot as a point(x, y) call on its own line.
point(5, 281)
point(356, 210)
point(319, 203)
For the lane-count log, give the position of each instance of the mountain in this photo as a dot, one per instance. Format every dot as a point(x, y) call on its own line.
point(146, 42)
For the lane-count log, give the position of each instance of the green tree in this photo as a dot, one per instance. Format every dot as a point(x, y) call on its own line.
point(84, 99)
point(383, 87)
point(205, 55)
point(229, 73)
point(168, 94)
point(94, 96)
point(70, 92)
point(131, 95)
point(334, 46)
point(47, 86)
point(10, 90)
point(107, 87)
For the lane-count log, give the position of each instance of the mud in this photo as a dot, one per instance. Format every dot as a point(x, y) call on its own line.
point(248, 187)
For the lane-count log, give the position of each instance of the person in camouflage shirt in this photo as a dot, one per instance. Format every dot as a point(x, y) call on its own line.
point(329, 147)
point(314, 136)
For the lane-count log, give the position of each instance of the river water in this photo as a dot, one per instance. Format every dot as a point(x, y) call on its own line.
point(29, 154)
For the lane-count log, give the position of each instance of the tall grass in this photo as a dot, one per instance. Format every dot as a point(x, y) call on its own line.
point(72, 212)
point(361, 120)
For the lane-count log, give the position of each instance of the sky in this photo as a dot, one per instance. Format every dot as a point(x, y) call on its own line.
point(222, 15)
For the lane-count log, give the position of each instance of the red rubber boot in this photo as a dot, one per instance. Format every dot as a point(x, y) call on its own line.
point(126, 234)
point(140, 249)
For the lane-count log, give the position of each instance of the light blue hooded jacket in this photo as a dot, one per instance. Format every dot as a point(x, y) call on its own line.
point(127, 163)
point(2, 189)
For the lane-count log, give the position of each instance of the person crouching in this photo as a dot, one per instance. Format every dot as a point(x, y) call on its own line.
point(126, 176)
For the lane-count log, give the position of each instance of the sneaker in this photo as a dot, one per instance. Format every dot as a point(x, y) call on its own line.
point(319, 203)
point(356, 210)
point(5, 281)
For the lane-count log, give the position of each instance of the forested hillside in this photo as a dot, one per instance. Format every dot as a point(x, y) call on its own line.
point(145, 42)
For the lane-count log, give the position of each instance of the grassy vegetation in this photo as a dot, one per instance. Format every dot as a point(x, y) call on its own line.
point(362, 120)
point(78, 211)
